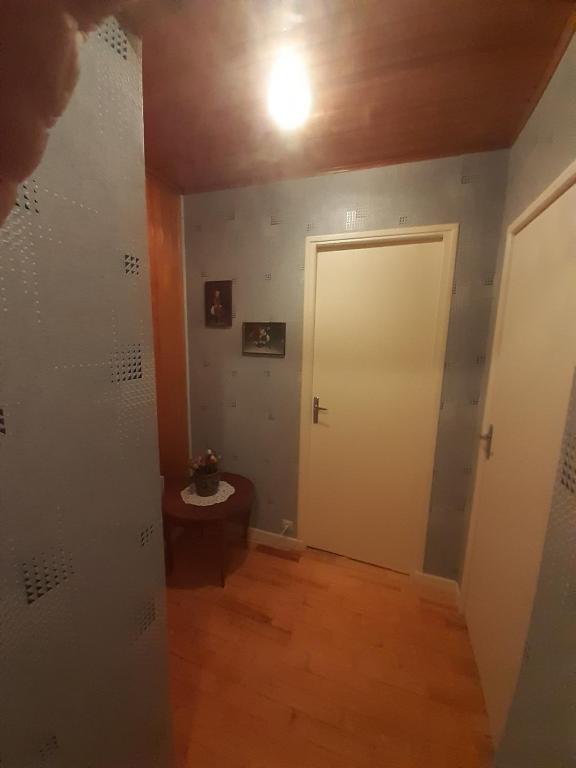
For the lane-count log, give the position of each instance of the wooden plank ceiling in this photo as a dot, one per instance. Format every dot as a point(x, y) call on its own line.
point(393, 81)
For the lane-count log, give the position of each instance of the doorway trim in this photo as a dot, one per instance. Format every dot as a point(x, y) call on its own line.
point(447, 234)
point(559, 186)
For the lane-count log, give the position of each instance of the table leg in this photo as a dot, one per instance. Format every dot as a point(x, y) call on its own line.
point(223, 552)
point(247, 516)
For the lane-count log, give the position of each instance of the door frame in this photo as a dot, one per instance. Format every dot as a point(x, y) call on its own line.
point(447, 234)
point(559, 186)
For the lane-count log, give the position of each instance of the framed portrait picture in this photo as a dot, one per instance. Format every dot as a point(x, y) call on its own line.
point(218, 303)
point(264, 339)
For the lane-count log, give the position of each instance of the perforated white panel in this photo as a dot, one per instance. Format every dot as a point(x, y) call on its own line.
point(82, 646)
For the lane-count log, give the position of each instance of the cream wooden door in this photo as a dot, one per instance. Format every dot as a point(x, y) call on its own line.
point(532, 366)
point(380, 324)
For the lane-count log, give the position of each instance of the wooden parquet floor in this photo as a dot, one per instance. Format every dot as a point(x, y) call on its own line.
point(317, 661)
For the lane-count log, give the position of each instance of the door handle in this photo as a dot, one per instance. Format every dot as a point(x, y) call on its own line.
point(316, 410)
point(488, 437)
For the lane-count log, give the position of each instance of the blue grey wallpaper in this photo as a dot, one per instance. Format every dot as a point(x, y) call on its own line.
point(247, 408)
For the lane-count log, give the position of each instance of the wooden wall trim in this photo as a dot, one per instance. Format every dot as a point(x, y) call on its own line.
point(168, 315)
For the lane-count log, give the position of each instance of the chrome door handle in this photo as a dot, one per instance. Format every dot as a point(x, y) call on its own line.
point(316, 410)
point(488, 437)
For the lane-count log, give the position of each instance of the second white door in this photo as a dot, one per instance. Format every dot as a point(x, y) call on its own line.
point(533, 361)
point(380, 321)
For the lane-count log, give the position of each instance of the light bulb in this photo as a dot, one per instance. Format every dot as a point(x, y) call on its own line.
point(289, 94)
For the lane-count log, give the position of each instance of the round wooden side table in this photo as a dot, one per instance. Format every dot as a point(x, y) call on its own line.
point(177, 514)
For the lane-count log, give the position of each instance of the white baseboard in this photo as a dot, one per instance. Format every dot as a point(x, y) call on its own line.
point(276, 540)
point(448, 586)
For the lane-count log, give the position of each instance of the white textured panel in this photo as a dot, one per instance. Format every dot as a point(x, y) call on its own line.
point(82, 646)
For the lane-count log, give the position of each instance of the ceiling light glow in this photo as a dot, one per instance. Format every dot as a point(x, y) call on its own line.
point(289, 94)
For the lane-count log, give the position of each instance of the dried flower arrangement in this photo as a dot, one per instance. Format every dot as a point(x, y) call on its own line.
point(206, 474)
point(206, 464)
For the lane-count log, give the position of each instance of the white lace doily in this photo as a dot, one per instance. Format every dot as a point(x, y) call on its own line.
point(189, 495)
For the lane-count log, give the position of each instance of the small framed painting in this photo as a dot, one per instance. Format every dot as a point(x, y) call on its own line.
point(218, 303)
point(264, 339)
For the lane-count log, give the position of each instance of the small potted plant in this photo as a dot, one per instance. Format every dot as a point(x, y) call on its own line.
point(206, 474)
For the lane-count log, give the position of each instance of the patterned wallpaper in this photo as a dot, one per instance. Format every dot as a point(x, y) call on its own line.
point(82, 646)
point(547, 145)
point(248, 408)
